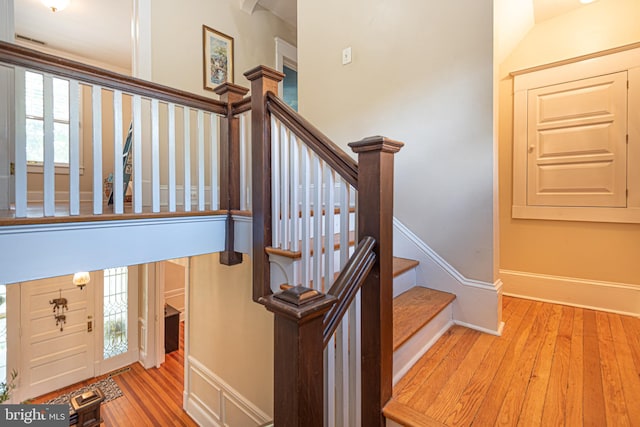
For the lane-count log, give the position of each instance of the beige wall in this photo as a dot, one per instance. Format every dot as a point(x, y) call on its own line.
point(422, 74)
point(595, 251)
point(229, 333)
point(177, 40)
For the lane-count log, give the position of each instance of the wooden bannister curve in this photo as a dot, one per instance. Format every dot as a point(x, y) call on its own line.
point(32, 59)
point(326, 149)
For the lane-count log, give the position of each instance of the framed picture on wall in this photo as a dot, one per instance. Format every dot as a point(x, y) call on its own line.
point(217, 49)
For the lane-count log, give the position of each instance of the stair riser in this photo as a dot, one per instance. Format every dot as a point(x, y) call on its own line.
point(412, 350)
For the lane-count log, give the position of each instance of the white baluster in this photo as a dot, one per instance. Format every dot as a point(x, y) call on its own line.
point(200, 117)
point(96, 101)
point(342, 373)
point(155, 155)
point(305, 220)
point(329, 219)
point(21, 143)
point(215, 167)
point(355, 365)
point(49, 186)
point(248, 159)
point(284, 188)
point(275, 179)
point(187, 159)
point(344, 222)
point(330, 383)
point(74, 147)
point(118, 194)
point(171, 117)
point(294, 202)
point(317, 223)
point(137, 154)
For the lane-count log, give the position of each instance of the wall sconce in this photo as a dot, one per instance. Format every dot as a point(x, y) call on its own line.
point(56, 5)
point(81, 278)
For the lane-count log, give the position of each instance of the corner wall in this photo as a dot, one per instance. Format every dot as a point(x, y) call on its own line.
point(422, 73)
point(560, 260)
point(230, 375)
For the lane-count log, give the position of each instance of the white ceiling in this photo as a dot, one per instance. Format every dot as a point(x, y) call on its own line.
point(93, 29)
point(101, 29)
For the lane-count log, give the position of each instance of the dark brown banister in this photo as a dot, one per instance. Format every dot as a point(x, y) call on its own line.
point(32, 59)
point(326, 149)
point(300, 328)
point(348, 284)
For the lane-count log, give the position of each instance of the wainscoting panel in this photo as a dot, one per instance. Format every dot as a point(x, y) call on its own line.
point(212, 402)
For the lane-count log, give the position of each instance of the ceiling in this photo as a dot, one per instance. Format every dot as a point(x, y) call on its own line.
point(101, 30)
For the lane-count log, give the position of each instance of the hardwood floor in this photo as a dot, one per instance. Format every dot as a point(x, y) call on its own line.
point(553, 366)
point(152, 397)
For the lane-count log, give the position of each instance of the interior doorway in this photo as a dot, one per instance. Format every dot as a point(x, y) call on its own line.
point(287, 63)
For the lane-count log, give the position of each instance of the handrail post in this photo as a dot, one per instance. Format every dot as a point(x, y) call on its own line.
point(263, 80)
point(375, 219)
point(298, 355)
point(230, 167)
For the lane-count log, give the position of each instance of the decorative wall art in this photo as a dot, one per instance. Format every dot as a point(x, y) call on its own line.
point(217, 58)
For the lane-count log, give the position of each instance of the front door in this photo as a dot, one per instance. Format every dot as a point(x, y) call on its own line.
point(55, 355)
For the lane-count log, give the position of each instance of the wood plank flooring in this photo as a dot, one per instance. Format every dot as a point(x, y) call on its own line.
point(553, 366)
point(152, 397)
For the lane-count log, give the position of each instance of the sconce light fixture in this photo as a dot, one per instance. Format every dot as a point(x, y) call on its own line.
point(56, 5)
point(81, 278)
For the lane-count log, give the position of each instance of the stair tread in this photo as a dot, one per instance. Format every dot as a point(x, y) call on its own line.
point(415, 308)
point(402, 265)
point(298, 254)
point(407, 416)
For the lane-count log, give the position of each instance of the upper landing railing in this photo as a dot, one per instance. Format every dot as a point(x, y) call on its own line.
point(69, 142)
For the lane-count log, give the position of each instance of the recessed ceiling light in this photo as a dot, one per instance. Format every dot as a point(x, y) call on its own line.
point(586, 1)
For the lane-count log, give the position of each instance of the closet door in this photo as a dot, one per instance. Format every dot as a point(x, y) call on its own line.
point(577, 143)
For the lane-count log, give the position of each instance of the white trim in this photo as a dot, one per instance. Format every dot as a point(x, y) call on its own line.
point(204, 414)
point(141, 61)
point(248, 6)
point(411, 351)
point(497, 333)
point(621, 298)
point(286, 54)
point(477, 303)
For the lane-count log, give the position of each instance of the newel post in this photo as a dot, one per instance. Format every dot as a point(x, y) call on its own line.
point(262, 80)
point(230, 167)
point(298, 375)
point(375, 219)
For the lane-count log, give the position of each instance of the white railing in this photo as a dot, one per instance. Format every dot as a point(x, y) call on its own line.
point(313, 219)
point(173, 164)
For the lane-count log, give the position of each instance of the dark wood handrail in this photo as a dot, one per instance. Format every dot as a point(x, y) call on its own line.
point(326, 149)
point(347, 285)
point(241, 106)
point(32, 59)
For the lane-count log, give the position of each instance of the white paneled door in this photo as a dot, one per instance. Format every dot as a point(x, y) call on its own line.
point(55, 355)
point(577, 143)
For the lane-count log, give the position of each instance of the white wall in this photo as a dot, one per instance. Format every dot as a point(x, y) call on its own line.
point(177, 40)
point(422, 74)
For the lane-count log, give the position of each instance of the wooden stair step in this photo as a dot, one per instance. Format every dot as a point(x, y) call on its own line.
point(402, 265)
point(415, 308)
point(298, 254)
point(407, 416)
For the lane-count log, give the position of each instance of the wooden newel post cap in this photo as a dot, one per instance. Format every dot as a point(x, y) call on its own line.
point(263, 72)
point(230, 89)
point(376, 143)
point(299, 303)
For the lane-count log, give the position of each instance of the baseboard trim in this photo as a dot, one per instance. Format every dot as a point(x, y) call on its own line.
point(200, 405)
point(620, 298)
point(60, 196)
point(477, 304)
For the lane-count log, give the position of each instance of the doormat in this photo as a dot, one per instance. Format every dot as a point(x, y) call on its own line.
point(108, 386)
